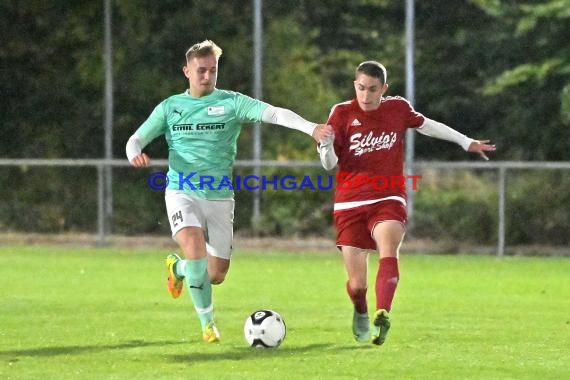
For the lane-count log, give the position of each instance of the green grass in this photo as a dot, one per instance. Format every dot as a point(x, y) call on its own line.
point(71, 313)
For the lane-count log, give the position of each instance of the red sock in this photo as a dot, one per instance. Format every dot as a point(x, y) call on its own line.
point(386, 282)
point(358, 298)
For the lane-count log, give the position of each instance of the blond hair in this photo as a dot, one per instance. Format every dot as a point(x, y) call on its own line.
point(203, 49)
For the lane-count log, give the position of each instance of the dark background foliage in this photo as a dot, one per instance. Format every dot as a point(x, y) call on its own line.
point(489, 68)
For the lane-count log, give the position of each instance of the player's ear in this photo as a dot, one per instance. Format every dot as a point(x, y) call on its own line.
point(384, 88)
point(186, 71)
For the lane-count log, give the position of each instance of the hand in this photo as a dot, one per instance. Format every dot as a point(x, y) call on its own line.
point(482, 146)
point(140, 161)
point(326, 141)
point(322, 132)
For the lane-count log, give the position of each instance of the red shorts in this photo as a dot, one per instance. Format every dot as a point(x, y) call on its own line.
point(354, 226)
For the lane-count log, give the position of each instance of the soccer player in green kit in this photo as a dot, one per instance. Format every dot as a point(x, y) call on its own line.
point(201, 126)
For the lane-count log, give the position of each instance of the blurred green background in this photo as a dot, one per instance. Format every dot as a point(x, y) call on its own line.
point(488, 68)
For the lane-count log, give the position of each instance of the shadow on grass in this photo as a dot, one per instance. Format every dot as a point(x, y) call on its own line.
point(245, 353)
point(72, 350)
point(238, 353)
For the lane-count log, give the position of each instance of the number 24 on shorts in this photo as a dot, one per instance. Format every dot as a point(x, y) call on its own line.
point(177, 216)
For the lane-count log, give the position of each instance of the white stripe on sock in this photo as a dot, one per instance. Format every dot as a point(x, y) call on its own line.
point(181, 268)
point(205, 310)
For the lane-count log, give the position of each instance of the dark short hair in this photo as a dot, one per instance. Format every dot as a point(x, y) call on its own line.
point(373, 69)
point(203, 49)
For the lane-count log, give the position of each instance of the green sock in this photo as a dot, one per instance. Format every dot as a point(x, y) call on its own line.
point(200, 289)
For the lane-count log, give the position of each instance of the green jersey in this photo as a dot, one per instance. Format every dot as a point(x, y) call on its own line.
point(202, 139)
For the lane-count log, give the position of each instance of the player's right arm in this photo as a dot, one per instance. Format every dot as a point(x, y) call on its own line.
point(134, 149)
point(153, 127)
point(327, 154)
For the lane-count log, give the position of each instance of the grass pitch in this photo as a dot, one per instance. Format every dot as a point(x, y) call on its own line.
point(86, 313)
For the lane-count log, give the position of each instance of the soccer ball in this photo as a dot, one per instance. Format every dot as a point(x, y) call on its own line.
point(264, 329)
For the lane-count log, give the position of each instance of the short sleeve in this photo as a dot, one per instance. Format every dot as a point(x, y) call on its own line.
point(336, 121)
point(413, 118)
point(249, 109)
point(155, 125)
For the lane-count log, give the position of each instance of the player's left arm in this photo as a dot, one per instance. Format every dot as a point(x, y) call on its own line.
point(289, 119)
point(441, 131)
point(254, 110)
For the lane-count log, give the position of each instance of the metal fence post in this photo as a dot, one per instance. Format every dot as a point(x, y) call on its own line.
point(410, 95)
point(108, 117)
point(257, 93)
point(502, 202)
point(101, 229)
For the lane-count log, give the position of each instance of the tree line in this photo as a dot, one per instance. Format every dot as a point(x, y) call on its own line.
point(489, 68)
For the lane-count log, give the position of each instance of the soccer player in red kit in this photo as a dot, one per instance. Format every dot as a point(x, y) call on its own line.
point(370, 199)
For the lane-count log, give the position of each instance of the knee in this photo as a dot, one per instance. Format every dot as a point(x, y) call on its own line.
point(217, 269)
point(357, 286)
point(217, 277)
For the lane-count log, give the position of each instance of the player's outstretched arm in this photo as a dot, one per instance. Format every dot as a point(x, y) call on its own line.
point(441, 131)
point(289, 119)
point(481, 146)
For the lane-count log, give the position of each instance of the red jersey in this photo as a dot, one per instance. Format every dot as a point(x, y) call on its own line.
point(370, 148)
